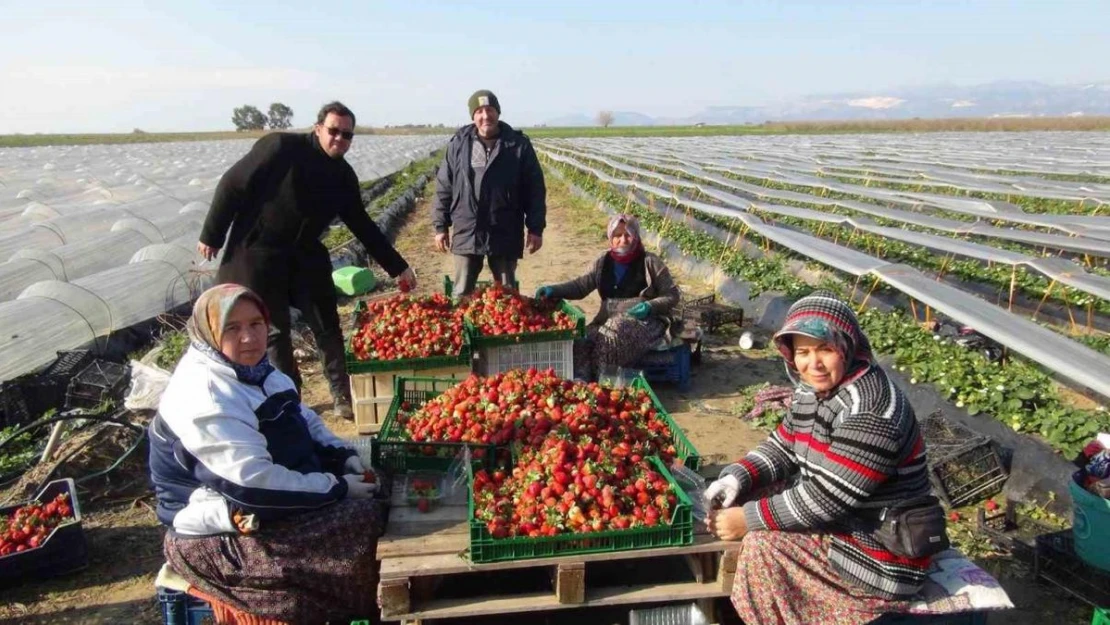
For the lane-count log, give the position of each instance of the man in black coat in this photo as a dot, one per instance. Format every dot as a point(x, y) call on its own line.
point(489, 194)
point(277, 201)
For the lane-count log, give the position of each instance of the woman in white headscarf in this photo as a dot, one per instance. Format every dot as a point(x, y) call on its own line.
point(268, 511)
point(637, 297)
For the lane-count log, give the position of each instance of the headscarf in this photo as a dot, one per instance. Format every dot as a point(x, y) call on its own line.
point(632, 226)
point(206, 327)
point(825, 317)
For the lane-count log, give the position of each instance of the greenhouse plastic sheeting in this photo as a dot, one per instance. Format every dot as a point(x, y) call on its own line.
point(77, 260)
point(51, 316)
point(1059, 354)
point(1093, 232)
point(69, 211)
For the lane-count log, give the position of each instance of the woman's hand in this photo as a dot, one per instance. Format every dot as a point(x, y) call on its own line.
point(723, 492)
point(640, 311)
point(727, 524)
point(358, 489)
point(354, 465)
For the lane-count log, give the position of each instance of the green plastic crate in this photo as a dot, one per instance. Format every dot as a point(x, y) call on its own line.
point(480, 340)
point(686, 451)
point(354, 365)
point(352, 281)
point(485, 549)
point(579, 331)
point(392, 451)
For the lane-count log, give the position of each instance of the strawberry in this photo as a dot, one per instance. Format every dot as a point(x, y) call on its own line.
point(991, 505)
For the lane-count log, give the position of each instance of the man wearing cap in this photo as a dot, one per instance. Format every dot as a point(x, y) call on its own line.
point(490, 197)
point(276, 202)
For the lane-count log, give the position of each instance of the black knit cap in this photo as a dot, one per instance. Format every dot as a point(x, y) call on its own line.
point(483, 97)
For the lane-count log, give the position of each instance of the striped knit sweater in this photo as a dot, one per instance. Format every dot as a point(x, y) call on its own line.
point(857, 449)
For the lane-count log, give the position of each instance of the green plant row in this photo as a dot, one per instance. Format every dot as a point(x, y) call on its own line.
point(1017, 393)
point(400, 182)
point(1030, 204)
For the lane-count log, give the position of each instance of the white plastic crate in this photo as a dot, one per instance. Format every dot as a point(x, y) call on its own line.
point(558, 355)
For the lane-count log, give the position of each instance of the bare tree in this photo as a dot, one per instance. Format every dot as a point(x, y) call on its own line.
point(605, 119)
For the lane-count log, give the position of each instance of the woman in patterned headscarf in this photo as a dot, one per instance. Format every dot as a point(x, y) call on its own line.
point(267, 509)
point(849, 447)
point(637, 296)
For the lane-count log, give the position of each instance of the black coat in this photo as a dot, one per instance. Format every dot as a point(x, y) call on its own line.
point(513, 196)
point(277, 201)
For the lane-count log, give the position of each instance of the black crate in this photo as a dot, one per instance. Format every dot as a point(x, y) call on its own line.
point(68, 364)
point(964, 466)
point(99, 382)
point(1056, 563)
point(64, 551)
point(709, 314)
point(26, 398)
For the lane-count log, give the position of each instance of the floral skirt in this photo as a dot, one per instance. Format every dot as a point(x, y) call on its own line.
point(784, 578)
point(310, 568)
point(619, 342)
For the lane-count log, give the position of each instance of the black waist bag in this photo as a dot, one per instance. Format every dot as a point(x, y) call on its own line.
point(915, 529)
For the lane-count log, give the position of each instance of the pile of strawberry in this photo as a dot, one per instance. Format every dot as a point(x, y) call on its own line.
point(495, 310)
point(406, 326)
point(581, 452)
point(28, 527)
point(525, 406)
point(572, 485)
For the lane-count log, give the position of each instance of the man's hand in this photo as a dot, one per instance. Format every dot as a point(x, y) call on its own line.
point(727, 524)
point(443, 241)
point(534, 242)
point(207, 251)
point(407, 280)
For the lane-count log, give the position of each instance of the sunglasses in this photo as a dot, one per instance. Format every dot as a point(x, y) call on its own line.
point(335, 132)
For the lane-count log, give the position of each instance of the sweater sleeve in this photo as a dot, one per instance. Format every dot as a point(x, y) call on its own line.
point(770, 462)
point(862, 453)
point(233, 460)
point(354, 215)
point(579, 287)
point(330, 447)
point(233, 193)
point(667, 290)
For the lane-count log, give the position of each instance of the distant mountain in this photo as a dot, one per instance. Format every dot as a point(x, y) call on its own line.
point(998, 99)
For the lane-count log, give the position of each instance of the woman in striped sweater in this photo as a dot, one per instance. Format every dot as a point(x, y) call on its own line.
point(849, 447)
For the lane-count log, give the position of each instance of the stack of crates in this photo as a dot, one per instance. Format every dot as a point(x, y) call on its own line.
point(373, 381)
point(542, 350)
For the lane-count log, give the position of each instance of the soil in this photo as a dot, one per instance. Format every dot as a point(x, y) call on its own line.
point(125, 538)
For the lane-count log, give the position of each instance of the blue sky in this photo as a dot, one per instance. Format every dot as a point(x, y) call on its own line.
point(113, 66)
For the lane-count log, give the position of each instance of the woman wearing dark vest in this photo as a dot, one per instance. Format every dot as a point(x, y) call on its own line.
point(637, 296)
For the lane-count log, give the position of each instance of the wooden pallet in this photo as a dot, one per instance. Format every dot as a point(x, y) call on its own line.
point(422, 554)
